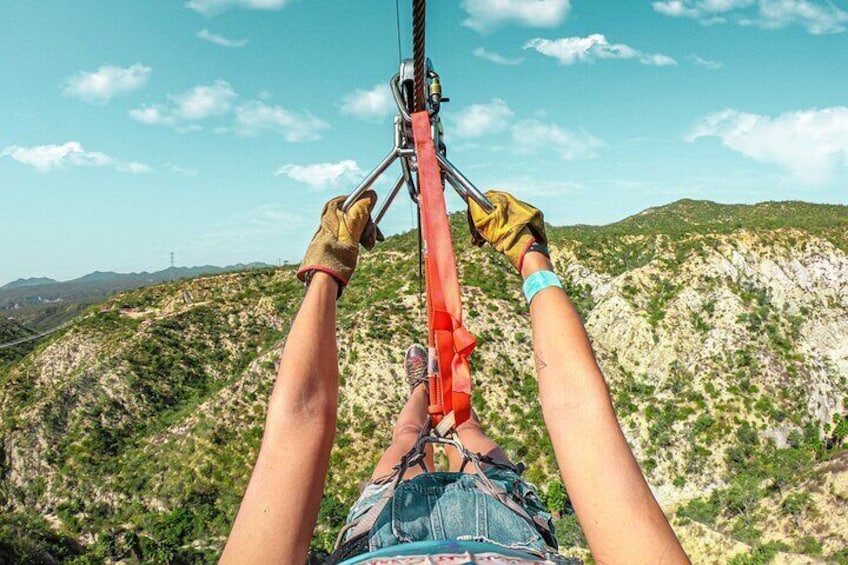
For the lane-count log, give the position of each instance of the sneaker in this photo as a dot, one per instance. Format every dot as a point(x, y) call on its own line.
point(415, 364)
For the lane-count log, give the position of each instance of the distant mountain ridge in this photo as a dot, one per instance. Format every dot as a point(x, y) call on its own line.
point(704, 216)
point(100, 276)
point(700, 215)
point(41, 303)
point(29, 282)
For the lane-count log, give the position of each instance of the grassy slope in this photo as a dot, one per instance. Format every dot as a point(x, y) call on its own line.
point(136, 465)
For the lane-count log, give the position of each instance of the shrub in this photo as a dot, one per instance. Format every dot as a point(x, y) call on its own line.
point(796, 504)
point(28, 538)
point(742, 497)
point(556, 498)
point(760, 555)
point(569, 533)
point(840, 557)
point(744, 530)
point(700, 510)
point(808, 545)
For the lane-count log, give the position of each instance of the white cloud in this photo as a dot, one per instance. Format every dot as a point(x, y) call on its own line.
point(212, 7)
point(374, 104)
point(184, 112)
point(534, 135)
point(256, 117)
point(657, 60)
point(478, 120)
point(496, 58)
point(570, 50)
point(45, 158)
point(193, 105)
point(184, 171)
point(706, 63)
point(323, 175)
point(133, 167)
point(487, 15)
point(816, 17)
point(204, 101)
point(810, 144)
point(217, 39)
point(153, 116)
point(677, 9)
point(100, 86)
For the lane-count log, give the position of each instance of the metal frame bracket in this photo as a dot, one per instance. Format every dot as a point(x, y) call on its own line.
point(404, 147)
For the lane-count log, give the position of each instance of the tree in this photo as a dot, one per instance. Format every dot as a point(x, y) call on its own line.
point(795, 505)
point(556, 498)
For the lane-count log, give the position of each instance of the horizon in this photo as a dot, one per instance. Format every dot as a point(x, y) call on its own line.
point(257, 264)
point(116, 149)
point(287, 263)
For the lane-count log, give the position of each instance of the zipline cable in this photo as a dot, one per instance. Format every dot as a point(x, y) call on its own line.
point(397, 24)
point(419, 58)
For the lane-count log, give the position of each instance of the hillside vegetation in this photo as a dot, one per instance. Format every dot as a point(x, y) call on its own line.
point(722, 331)
point(11, 331)
point(42, 304)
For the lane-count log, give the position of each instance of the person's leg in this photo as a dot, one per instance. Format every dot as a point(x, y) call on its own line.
point(475, 440)
point(411, 420)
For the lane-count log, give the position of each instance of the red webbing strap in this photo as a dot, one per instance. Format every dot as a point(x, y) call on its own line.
point(450, 390)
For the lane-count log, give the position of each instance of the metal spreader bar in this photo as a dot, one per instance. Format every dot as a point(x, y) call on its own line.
point(404, 147)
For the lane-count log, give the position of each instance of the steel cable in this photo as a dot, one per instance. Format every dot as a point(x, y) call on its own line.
point(397, 24)
point(419, 21)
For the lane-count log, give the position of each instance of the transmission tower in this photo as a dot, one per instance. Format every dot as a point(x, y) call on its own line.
point(172, 267)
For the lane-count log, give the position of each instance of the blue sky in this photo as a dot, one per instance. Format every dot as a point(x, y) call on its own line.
point(217, 128)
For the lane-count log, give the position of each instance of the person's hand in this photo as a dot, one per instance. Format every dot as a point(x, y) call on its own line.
point(511, 228)
point(335, 246)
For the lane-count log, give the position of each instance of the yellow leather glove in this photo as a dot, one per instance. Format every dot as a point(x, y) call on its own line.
point(511, 228)
point(335, 246)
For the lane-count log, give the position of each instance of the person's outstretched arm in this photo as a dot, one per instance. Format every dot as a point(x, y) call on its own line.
point(280, 507)
point(621, 519)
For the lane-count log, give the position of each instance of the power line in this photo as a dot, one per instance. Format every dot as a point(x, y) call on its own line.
point(34, 337)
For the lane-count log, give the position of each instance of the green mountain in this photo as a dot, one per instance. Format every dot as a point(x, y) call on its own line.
point(722, 331)
point(43, 303)
point(24, 283)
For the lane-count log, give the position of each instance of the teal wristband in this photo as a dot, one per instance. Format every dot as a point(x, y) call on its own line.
point(538, 281)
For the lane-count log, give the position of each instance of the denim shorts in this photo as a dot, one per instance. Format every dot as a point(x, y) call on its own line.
point(439, 506)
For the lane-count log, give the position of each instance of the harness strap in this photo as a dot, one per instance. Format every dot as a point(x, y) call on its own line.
point(502, 496)
point(367, 521)
point(450, 343)
point(415, 456)
point(363, 525)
